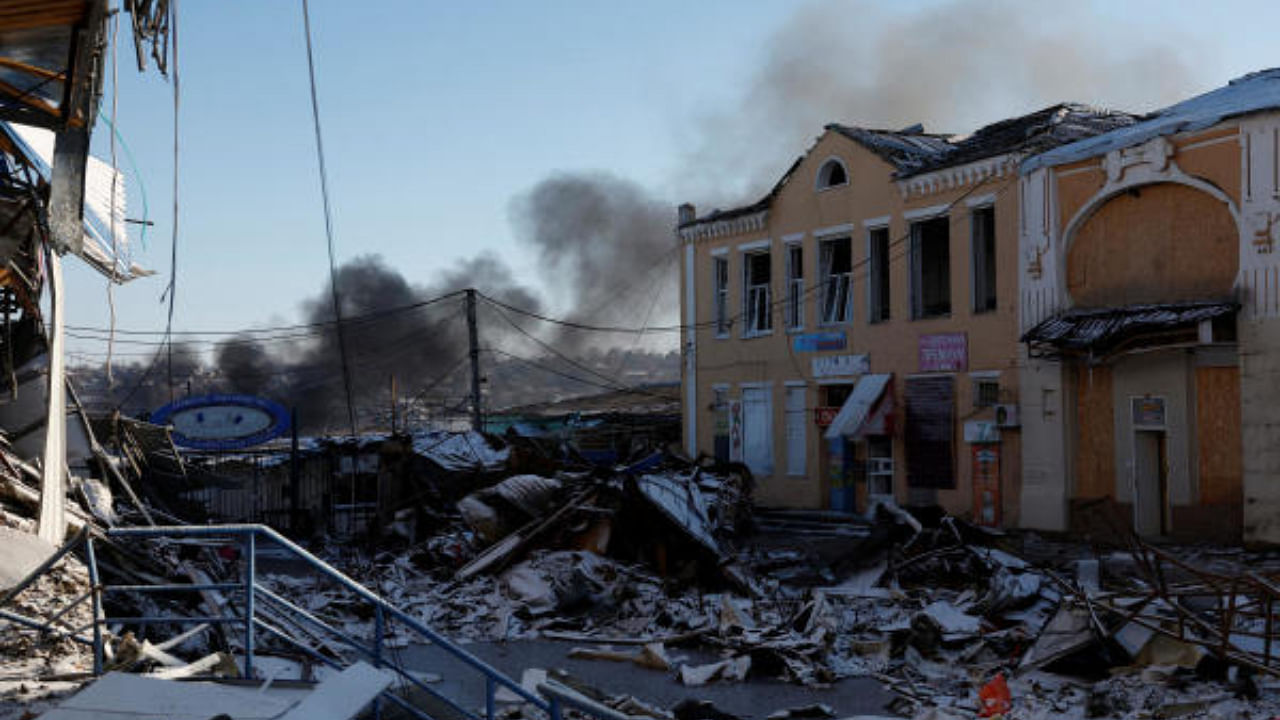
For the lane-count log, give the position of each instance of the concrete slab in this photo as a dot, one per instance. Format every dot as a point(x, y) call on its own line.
point(138, 697)
point(23, 552)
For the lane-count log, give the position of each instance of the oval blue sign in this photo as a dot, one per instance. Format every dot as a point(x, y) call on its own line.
point(223, 422)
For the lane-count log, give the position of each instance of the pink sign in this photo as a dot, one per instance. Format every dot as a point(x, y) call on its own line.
point(944, 352)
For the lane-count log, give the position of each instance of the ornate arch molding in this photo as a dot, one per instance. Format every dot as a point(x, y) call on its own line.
point(1148, 164)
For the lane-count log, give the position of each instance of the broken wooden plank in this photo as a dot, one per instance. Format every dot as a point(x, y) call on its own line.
point(223, 662)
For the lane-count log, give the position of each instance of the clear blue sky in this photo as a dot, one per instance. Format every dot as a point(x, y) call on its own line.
point(437, 113)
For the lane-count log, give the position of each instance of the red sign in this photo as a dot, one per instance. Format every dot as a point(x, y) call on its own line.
point(824, 416)
point(944, 352)
point(986, 485)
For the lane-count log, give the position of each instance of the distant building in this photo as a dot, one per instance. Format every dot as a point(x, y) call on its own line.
point(1149, 274)
point(853, 336)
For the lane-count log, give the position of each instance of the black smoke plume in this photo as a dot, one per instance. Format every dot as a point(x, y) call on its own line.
point(609, 243)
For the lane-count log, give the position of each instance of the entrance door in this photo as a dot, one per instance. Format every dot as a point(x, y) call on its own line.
point(879, 469)
point(1149, 483)
point(757, 431)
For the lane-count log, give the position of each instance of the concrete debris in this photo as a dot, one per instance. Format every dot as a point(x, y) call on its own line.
point(731, 670)
point(664, 566)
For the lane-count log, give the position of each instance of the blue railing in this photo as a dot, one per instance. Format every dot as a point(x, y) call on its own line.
point(250, 538)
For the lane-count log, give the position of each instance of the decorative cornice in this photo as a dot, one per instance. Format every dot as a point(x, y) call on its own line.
point(754, 222)
point(959, 176)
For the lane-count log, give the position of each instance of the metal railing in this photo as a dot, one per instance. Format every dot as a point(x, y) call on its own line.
point(253, 595)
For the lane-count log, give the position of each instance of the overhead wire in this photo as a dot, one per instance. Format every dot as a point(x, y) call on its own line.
point(115, 171)
point(567, 376)
point(328, 221)
point(320, 325)
point(173, 253)
point(613, 383)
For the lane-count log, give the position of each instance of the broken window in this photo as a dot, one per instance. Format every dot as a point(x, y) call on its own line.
point(878, 275)
point(720, 301)
point(795, 287)
point(831, 174)
point(931, 268)
point(756, 273)
point(835, 267)
point(982, 233)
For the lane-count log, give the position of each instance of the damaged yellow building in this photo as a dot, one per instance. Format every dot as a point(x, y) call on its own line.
point(1150, 307)
point(853, 336)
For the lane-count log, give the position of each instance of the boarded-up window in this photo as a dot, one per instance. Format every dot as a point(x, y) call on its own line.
point(930, 432)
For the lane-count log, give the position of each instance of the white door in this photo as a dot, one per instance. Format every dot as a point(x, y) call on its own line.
point(757, 430)
point(795, 430)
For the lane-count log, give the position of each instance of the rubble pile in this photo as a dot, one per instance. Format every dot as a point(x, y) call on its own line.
point(665, 566)
point(634, 566)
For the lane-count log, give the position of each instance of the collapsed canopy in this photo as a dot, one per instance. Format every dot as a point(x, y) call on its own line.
point(1100, 331)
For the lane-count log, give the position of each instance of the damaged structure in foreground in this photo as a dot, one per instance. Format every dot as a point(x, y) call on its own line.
point(1062, 321)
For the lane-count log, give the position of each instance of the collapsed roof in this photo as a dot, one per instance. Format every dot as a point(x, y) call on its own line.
point(1255, 92)
point(906, 150)
point(1029, 134)
point(912, 151)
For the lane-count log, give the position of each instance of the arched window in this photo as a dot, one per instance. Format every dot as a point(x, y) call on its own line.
point(832, 174)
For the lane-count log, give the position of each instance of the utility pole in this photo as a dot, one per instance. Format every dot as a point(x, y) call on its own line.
point(393, 403)
point(477, 420)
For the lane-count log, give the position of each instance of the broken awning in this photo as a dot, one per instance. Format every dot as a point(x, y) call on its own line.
point(681, 501)
point(852, 420)
point(104, 204)
point(1098, 330)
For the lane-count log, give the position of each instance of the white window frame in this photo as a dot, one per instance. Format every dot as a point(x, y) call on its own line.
point(820, 182)
point(984, 378)
point(880, 469)
point(825, 278)
point(756, 297)
point(720, 295)
point(794, 288)
point(767, 416)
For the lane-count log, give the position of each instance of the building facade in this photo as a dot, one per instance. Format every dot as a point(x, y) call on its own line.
point(1150, 307)
point(853, 336)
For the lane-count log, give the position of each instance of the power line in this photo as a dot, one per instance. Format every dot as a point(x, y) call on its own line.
point(328, 220)
point(320, 325)
point(557, 353)
point(173, 251)
point(567, 376)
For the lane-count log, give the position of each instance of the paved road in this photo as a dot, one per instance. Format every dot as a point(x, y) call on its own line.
point(754, 699)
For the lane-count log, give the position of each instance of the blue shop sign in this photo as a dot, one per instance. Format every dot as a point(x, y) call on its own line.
point(819, 342)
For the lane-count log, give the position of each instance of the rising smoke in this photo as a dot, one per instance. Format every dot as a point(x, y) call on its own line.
point(610, 245)
point(388, 331)
point(604, 244)
point(954, 67)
